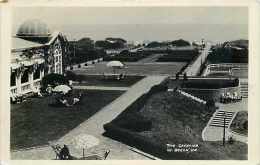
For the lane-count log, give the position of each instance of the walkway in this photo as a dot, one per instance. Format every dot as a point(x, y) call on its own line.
point(151, 58)
point(101, 88)
point(194, 67)
point(214, 129)
point(94, 126)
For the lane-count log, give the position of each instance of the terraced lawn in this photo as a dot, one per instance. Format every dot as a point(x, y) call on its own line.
point(171, 118)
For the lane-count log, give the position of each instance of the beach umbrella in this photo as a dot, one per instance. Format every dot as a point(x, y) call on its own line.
point(115, 65)
point(62, 88)
point(84, 141)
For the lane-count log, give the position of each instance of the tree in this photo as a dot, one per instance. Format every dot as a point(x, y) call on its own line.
point(85, 44)
point(180, 42)
point(53, 79)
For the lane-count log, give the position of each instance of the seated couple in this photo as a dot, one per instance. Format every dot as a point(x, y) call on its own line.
point(75, 100)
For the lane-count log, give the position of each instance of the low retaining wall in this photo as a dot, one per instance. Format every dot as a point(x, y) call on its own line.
point(205, 94)
point(83, 63)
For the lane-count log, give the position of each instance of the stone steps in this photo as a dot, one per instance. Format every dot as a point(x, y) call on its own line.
point(218, 119)
point(244, 89)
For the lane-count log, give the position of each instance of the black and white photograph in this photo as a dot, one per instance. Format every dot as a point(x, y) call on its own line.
point(129, 83)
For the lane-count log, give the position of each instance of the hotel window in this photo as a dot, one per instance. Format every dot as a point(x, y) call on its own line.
point(25, 76)
point(13, 79)
point(36, 74)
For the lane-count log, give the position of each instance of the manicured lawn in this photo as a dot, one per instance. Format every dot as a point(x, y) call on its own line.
point(36, 121)
point(179, 56)
point(99, 80)
point(128, 57)
point(170, 118)
point(240, 123)
point(134, 69)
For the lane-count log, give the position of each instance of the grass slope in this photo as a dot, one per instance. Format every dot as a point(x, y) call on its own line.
point(175, 119)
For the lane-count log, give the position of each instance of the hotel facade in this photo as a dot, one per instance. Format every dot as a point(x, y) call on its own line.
point(36, 51)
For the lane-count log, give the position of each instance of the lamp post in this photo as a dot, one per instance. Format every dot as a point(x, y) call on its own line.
point(224, 129)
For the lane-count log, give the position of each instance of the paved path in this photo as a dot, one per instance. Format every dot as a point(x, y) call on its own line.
point(101, 88)
point(194, 67)
point(215, 133)
point(94, 126)
point(151, 58)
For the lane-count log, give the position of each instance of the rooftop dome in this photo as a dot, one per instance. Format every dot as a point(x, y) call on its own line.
point(34, 28)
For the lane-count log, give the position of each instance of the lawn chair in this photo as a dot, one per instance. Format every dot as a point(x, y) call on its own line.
point(96, 156)
point(56, 148)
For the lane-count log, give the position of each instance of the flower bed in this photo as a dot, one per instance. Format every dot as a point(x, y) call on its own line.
point(240, 123)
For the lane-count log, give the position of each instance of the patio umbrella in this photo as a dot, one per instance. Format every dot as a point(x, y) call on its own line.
point(84, 141)
point(115, 65)
point(62, 88)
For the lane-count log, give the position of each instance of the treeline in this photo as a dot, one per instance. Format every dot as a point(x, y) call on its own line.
point(86, 49)
point(177, 43)
point(83, 50)
point(230, 52)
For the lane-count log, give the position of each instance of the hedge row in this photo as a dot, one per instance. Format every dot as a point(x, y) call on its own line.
point(131, 139)
point(179, 56)
point(127, 124)
point(210, 83)
point(123, 59)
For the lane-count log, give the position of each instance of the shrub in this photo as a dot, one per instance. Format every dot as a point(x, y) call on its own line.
point(71, 76)
point(236, 81)
point(79, 66)
point(185, 76)
point(158, 88)
point(210, 103)
point(53, 79)
point(71, 68)
point(93, 62)
point(86, 64)
point(209, 83)
point(245, 125)
point(230, 140)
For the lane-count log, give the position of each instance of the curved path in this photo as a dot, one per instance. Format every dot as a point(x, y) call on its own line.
point(214, 129)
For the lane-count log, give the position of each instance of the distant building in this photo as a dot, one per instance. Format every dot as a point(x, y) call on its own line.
point(36, 51)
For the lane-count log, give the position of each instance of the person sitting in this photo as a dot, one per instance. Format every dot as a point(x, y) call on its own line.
point(37, 92)
point(106, 154)
point(13, 99)
point(49, 89)
point(77, 99)
point(64, 101)
point(65, 153)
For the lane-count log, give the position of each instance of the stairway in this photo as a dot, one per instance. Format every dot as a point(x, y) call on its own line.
point(218, 119)
point(244, 89)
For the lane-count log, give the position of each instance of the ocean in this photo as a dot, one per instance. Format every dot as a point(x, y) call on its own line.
point(156, 32)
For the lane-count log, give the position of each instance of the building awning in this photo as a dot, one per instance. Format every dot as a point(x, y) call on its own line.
point(29, 62)
point(18, 44)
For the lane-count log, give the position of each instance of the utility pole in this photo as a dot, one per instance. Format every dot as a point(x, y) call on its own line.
point(224, 129)
point(74, 47)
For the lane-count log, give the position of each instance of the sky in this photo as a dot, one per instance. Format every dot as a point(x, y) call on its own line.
point(141, 23)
